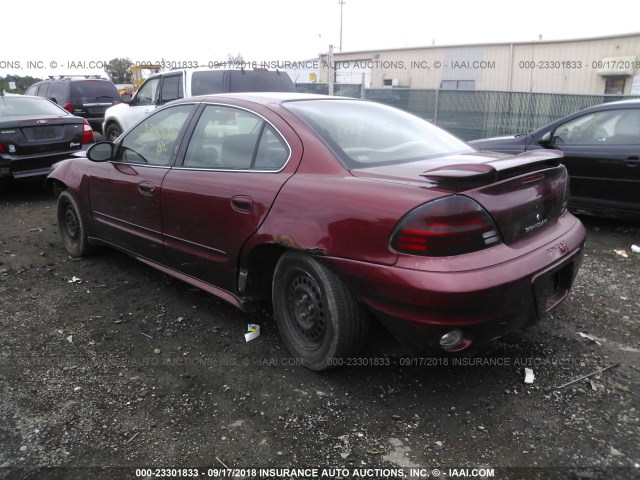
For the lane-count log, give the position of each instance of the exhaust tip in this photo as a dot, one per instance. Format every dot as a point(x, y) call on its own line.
point(453, 341)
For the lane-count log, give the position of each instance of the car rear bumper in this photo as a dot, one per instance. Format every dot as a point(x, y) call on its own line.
point(419, 306)
point(31, 166)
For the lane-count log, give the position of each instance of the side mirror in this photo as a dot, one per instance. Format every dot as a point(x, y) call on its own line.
point(126, 97)
point(101, 152)
point(546, 139)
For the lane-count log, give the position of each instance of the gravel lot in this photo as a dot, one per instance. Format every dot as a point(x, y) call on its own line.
point(105, 362)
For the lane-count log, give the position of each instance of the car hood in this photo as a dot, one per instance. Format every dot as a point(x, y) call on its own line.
point(114, 110)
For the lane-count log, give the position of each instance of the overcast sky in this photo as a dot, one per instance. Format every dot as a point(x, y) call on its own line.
point(284, 30)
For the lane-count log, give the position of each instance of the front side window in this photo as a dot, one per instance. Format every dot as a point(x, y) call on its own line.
point(155, 140)
point(610, 127)
point(148, 93)
point(227, 138)
point(365, 134)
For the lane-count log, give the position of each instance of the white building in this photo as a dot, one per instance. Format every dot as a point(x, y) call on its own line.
point(604, 65)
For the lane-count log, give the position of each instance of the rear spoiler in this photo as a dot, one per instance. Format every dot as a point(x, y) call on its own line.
point(472, 175)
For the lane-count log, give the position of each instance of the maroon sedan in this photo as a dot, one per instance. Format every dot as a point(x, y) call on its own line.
point(333, 209)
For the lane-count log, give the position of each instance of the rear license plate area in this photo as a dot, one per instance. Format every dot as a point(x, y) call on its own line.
point(96, 110)
point(43, 133)
point(552, 286)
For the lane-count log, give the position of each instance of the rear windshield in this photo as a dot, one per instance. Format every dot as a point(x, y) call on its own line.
point(363, 134)
point(93, 90)
point(236, 81)
point(27, 106)
point(260, 81)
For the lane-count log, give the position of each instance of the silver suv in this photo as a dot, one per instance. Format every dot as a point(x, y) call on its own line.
point(163, 87)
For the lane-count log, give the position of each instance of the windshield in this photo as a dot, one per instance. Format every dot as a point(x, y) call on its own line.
point(27, 106)
point(366, 133)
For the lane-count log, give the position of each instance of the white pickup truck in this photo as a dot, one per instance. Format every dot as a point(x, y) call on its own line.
point(163, 87)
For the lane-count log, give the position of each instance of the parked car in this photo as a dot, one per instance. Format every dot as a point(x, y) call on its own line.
point(331, 209)
point(164, 87)
point(601, 148)
point(84, 96)
point(35, 133)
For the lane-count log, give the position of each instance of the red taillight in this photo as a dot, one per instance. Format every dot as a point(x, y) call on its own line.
point(449, 226)
point(1, 148)
point(87, 134)
point(68, 107)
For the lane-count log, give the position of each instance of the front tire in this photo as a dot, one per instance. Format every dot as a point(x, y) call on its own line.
point(319, 319)
point(112, 132)
point(71, 226)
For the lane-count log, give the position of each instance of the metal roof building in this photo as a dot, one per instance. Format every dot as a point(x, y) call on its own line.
point(603, 65)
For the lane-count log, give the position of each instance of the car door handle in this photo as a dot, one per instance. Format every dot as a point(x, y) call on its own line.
point(242, 203)
point(631, 162)
point(146, 188)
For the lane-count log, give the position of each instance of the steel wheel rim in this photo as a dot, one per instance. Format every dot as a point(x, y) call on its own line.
point(71, 223)
point(306, 309)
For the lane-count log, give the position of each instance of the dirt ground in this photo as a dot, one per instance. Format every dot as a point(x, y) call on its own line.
point(105, 362)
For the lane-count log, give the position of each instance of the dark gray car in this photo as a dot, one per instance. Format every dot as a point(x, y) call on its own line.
point(601, 147)
point(34, 134)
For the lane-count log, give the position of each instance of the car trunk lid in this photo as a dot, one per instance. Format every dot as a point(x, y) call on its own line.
point(42, 136)
point(524, 194)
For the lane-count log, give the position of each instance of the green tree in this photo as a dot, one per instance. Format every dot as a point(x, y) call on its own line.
point(22, 83)
point(118, 70)
point(235, 60)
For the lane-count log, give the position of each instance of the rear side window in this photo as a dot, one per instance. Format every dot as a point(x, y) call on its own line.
point(206, 83)
point(44, 88)
point(33, 90)
point(58, 92)
point(228, 138)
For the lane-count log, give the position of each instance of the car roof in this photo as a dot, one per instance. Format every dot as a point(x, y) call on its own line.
point(27, 97)
point(620, 102)
point(263, 97)
point(617, 103)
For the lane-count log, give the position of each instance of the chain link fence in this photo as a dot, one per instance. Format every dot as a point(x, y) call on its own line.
point(340, 89)
point(474, 114)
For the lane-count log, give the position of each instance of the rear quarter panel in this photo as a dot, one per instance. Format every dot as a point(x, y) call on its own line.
point(340, 216)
